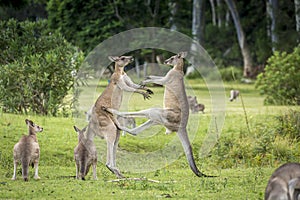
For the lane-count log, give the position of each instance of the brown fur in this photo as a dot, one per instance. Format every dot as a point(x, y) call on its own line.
point(27, 151)
point(103, 123)
point(85, 154)
point(174, 116)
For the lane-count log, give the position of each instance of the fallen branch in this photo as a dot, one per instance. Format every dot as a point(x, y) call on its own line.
point(133, 179)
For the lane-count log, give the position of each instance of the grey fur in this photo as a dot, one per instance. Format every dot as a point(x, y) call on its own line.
point(195, 107)
point(27, 151)
point(85, 154)
point(234, 95)
point(284, 184)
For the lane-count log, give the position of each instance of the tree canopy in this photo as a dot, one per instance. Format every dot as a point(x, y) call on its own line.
point(267, 25)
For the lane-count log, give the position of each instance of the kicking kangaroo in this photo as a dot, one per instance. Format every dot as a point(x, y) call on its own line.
point(174, 116)
point(103, 123)
point(27, 151)
point(284, 184)
point(85, 154)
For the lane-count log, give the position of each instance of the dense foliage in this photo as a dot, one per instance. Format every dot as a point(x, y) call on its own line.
point(88, 23)
point(280, 81)
point(37, 68)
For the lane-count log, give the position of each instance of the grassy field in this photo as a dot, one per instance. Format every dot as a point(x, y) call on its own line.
point(241, 172)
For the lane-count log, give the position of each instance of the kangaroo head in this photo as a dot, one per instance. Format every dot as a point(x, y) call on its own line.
point(32, 127)
point(176, 59)
point(80, 133)
point(121, 61)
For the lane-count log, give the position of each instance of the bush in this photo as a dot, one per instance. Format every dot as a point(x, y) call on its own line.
point(280, 81)
point(36, 68)
point(289, 124)
point(231, 73)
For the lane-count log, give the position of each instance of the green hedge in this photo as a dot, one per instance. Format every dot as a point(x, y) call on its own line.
point(37, 68)
point(280, 81)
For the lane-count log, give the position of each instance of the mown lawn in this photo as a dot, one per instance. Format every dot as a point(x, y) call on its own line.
point(237, 180)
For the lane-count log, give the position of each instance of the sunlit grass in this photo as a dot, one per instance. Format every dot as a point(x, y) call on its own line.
point(176, 180)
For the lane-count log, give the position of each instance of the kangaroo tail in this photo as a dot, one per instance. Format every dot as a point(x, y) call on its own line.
point(182, 134)
point(25, 169)
point(83, 169)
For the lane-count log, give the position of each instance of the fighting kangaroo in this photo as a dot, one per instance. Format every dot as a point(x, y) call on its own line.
point(284, 184)
point(174, 116)
point(85, 154)
point(27, 151)
point(103, 123)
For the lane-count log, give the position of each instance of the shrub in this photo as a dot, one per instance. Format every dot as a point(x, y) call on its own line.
point(231, 73)
point(289, 124)
point(280, 81)
point(36, 68)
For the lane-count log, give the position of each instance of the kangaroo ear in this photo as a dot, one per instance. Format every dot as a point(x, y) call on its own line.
point(113, 58)
point(182, 54)
point(29, 122)
point(76, 129)
point(84, 129)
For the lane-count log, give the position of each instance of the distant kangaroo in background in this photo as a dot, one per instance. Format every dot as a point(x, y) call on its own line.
point(103, 123)
point(27, 151)
point(174, 116)
point(234, 94)
point(194, 105)
point(85, 154)
point(284, 184)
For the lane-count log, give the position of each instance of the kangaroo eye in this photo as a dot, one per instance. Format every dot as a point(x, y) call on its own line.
point(122, 58)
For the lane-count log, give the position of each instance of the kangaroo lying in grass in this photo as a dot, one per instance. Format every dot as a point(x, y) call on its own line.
point(103, 123)
point(284, 184)
point(27, 151)
point(194, 105)
point(174, 116)
point(85, 154)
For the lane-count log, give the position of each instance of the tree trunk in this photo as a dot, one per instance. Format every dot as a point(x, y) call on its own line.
point(219, 13)
point(198, 18)
point(213, 12)
point(272, 7)
point(173, 11)
point(297, 15)
point(248, 68)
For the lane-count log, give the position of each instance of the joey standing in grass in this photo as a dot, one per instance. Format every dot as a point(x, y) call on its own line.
point(85, 154)
point(284, 184)
point(103, 123)
point(174, 116)
point(27, 151)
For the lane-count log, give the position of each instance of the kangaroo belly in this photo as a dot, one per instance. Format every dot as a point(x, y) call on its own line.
point(171, 99)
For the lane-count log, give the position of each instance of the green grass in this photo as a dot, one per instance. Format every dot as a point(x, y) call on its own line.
point(238, 159)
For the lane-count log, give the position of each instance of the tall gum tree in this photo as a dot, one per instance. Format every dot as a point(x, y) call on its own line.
point(248, 63)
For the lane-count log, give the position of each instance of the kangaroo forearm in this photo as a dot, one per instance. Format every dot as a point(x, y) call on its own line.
point(155, 81)
point(130, 83)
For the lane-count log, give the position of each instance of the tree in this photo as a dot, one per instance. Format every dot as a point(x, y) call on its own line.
point(198, 20)
point(272, 10)
point(248, 65)
point(297, 16)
